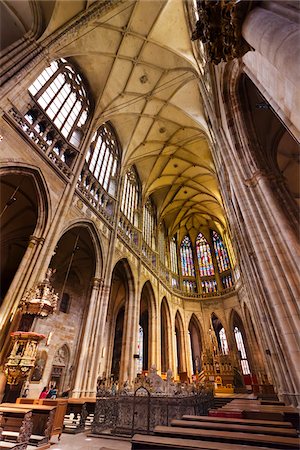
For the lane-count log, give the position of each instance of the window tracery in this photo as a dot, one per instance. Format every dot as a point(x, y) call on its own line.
point(149, 215)
point(130, 197)
point(189, 286)
point(60, 92)
point(220, 252)
point(204, 257)
point(173, 255)
point(103, 158)
point(227, 281)
point(209, 286)
point(241, 348)
point(186, 255)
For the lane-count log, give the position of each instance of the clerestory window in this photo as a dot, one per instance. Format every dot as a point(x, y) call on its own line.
point(220, 252)
point(186, 256)
point(173, 255)
point(60, 92)
point(131, 196)
point(149, 225)
point(103, 158)
point(205, 261)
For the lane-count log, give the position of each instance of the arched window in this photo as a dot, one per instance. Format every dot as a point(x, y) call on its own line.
point(173, 255)
point(223, 342)
point(204, 256)
point(149, 224)
point(103, 158)
point(186, 254)
point(220, 252)
point(130, 197)
point(60, 92)
point(241, 348)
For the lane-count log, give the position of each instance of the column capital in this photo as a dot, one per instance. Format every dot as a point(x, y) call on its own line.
point(219, 28)
point(97, 283)
point(259, 175)
point(35, 240)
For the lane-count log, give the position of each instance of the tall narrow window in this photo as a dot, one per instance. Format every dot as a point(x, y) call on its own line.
point(173, 255)
point(130, 197)
point(103, 158)
point(205, 262)
point(162, 245)
point(223, 342)
point(60, 92)
point(149, 224)
point(186, 254)
point(140, 350)
point(241, 348)
point(220, 252)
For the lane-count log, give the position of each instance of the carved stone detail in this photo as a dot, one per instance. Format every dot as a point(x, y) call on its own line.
point(219, 28)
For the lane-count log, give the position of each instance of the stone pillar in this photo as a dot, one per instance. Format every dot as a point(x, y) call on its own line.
point(84, 374)
point(276, 38)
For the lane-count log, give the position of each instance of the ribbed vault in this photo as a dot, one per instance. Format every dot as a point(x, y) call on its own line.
point(140, 65)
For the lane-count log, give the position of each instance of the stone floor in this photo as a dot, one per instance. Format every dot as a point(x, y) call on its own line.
point(83, 442)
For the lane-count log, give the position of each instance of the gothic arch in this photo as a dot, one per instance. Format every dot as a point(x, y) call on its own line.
point(180, 345)
point(166, 335)
point(196, 342)
point(95, 239)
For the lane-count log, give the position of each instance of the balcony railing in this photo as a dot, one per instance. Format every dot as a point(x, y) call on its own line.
point(43, 134)
point(92, 190)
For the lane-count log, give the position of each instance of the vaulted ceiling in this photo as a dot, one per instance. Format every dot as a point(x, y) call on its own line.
point(139, 62)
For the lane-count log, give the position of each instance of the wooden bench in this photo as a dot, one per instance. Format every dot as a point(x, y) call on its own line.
point(61, 408)
point(290, 432)
point(262, 423)
point(249, 414)
point(278, 442)
point(80, 414)
point(18, 422)
point(146, 442)
point(42, 418)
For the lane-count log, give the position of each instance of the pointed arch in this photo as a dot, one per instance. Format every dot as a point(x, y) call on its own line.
point(147, 326)
point(220, 334)
point(180, 344)
point(195, 334)
point(243, 348)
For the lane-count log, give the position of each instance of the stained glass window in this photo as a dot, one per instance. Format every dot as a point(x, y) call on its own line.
point(223, 341)
point(204, 256)
point(220, 252)
point(240, 345)
point(189, 286)
point(130, 197)
point(59, 90)
point(173, 255)
point(209, 286)
point(103, 158)
point(227, 281)
point(186, 254)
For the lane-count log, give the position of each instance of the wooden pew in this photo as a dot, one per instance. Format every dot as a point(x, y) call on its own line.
point(262, 423)
point(289, 432)
point(42, 420)
point(16, 422)
point(61, 408)
point(147, 442)
point(278, 442)
point(82, 410)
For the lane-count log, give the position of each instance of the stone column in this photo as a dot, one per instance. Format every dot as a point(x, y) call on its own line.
point(277, 39)
point(83, 375)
